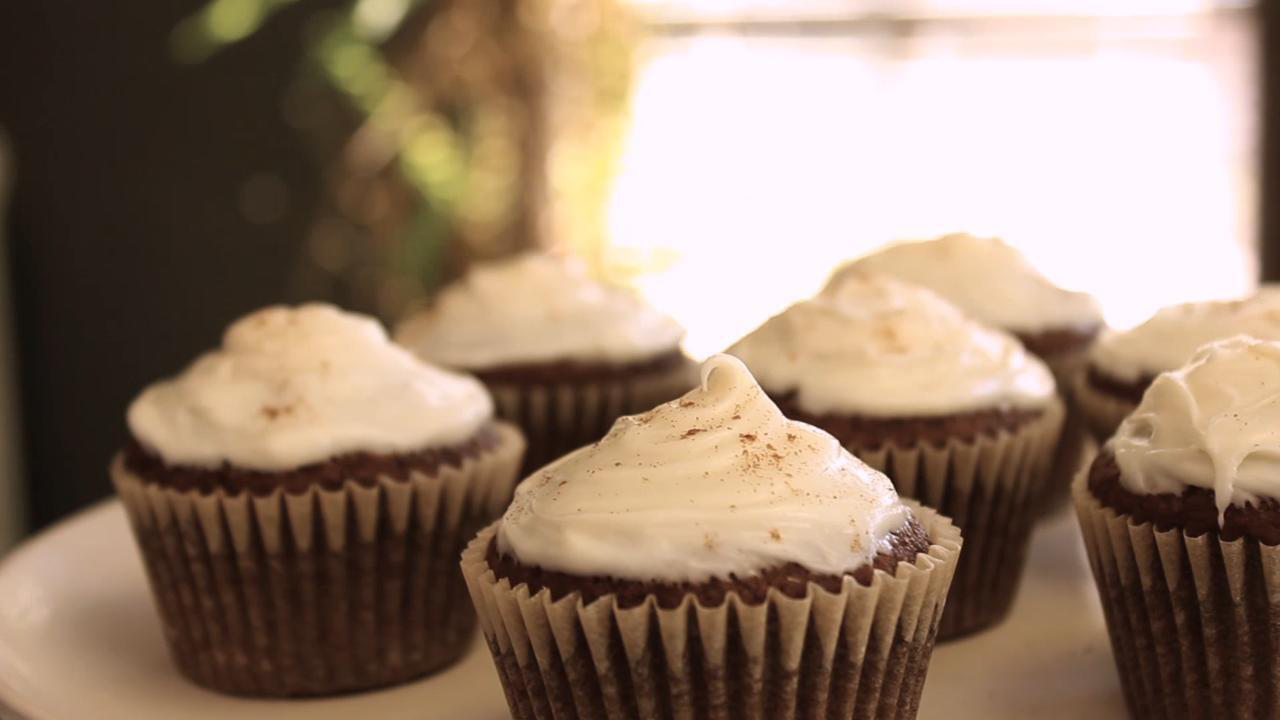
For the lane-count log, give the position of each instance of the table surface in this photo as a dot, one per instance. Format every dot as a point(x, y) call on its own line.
point(79, 638)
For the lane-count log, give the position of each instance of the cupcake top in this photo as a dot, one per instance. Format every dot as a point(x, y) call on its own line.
point(294, 386)
point(536, 308)
point(1213, 424)
point(1170, 337)
point(714, 484)
point(985, 277)
point(875, 346)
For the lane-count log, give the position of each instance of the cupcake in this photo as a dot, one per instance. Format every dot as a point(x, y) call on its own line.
point(563, 355)
point(958, 415)
point(995, 285)
point(300, 497)
point(1122, 365)
point(712, 559)
point(1181, 518)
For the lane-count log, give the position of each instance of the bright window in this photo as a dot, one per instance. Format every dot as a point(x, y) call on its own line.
point(1117, 152)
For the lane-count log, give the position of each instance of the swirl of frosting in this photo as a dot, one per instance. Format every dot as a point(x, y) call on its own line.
point(536, 308)
point(293, 386)
point(985, 277)
point(1213, 424)
point(1172, 336)
point(715, 483)
point(876, 346)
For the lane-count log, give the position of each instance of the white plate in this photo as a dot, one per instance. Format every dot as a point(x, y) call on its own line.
point(79, 639)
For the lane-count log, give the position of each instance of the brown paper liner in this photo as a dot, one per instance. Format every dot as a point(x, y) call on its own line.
point(557, 418)
point(990, 487)
point(859, 653)
point(1194, 621)
point(1102, 412)
point(1075, 446)
point(319, 592)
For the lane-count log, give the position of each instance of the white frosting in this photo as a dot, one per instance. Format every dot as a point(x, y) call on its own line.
point(293, 386)
point(1170, 337)
point(1213, 424)
point(877, 346)
point(536, 308)
point(715, 483)
point(986, 278)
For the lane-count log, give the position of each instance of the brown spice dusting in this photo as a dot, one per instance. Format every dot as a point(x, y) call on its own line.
point(747, 437)
point(272, 412)
point(791, 437)
point(687, 403)
point(775, 535)
point(691, 432)
point(737, 417)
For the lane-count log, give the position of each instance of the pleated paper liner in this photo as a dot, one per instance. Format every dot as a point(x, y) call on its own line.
point(990, 486)
point(1075, 446)
point(319, 592)
point(1102, 413)
point(860, 653)
point(557, 418)
point(1194, 621)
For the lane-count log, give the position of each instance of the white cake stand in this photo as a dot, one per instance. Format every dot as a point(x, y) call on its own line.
point(79, 639)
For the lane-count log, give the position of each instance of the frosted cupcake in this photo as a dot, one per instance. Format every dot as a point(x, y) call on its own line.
point(1181, 517)
point(563, 355)
point(1124, 364)
point(711, 559)
point(993, 283)
point(958, 415)
point(300, 496)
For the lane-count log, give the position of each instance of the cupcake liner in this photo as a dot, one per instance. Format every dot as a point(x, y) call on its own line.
point(557, 418)
point(1076, 446)
point(318, 592)
point(990, 486)
point(862, 652)
point(1102, 412)
point(1194, 621)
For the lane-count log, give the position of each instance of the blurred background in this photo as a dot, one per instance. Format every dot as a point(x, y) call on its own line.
point(166, 167)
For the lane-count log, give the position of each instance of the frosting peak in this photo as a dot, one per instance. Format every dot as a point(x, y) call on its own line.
point(293, 386)
point(1172, 336)
point(1213, 424)
point(536, 308)
point(715, 483)
point(986, 278)
point(873, 345)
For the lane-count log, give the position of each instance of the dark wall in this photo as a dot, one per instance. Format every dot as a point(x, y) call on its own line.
point(132, 240)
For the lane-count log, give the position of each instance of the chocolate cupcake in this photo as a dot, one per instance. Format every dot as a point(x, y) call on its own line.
point(1181, 518)
point(563, 355)
point(958, 415)
point(993, 283)
point(1123, 364)
point(712, 559)
point(300, 496)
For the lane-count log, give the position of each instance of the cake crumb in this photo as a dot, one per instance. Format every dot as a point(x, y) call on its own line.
point(775, 535)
